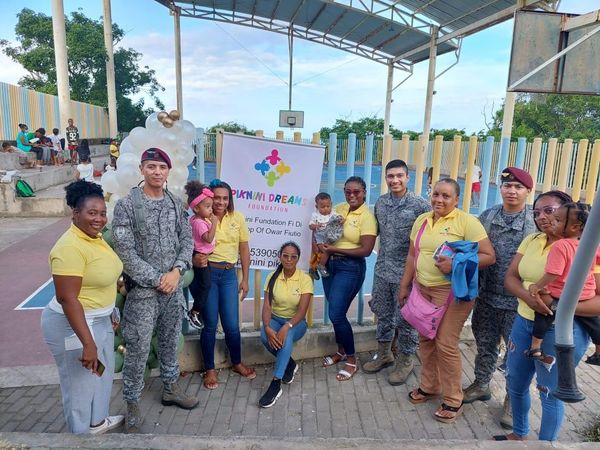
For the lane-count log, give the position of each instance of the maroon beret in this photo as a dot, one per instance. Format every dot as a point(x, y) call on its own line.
point(156, 154)
point(511, 174)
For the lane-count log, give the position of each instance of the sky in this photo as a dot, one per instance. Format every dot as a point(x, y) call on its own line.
point(240, 74)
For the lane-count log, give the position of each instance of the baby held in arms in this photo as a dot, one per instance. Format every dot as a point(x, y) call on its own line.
point(327, 228)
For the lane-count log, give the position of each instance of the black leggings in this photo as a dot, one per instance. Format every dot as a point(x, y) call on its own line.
point(542, 324)
point(200, 287)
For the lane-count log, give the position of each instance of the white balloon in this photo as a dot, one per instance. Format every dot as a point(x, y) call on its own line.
point(137, 137)
point(128, 177)
point(184, 158)
point(109, 182)
point(177, 190)
point(128, 159)
point(188, 130)
point(127, 146)
point(167, 140)
point(152, 122)
point(178, 175)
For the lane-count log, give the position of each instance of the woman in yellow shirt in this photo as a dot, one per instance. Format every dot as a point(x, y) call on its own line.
point(77, 323)
point(287, 295)
point(527, 267)
point(441, 368)
point(232, 238)
point(347, 268)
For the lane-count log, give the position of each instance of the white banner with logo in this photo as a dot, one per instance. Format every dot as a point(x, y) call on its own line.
point(274, 184)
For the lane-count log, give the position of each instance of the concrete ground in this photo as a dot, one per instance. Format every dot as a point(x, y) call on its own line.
point(315, 405)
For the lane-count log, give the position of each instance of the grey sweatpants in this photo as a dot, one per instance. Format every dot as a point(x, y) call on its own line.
point(384, 303)
point(85, 396)
point(144, 310)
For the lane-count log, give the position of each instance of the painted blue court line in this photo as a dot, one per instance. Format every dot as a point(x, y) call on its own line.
point(39, 299)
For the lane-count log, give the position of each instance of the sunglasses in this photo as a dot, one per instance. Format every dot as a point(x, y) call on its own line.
point(547, 210)
point(290, 257)
point(349, 193)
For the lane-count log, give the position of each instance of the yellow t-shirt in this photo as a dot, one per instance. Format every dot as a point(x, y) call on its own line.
point(287, 292)
point(78, 255)
point(532, 265)
point(231, 230)
point(357, 223)
point(456, 226)
point(114, 151)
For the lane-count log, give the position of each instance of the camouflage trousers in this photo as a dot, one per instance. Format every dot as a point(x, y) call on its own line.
point(384, 303)
point(489, 324)
point(144, 310)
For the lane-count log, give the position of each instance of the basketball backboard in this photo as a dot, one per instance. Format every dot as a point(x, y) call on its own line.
point(291, 119)
point(537, 37)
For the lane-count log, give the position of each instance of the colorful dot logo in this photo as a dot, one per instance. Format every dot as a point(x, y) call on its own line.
point(272, 168)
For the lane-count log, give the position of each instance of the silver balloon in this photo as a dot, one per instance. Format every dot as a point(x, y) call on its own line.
point(152, 122)
point(109, 182)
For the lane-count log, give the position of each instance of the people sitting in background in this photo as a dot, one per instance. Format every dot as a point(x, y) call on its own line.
point(57, 150)
point(7, 148)
point(83, 150)
point(114, 150)
point(42, 147)
point(85, 170)
point(23, 141)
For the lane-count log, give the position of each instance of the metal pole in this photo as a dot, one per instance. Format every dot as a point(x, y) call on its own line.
point(291, 51)
point(111, 89)
point(486, 168)
point(388, 99)
point(430, 86)
point(369, 164)
point(567, 390)
point(200, 154)
point(351, 155)
point(521, 147)
point(502, 163)
point(178, 78)
point(60, 56)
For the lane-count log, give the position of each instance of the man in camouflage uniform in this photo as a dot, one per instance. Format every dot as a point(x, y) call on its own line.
point(153, 238)
point(396, 212)
point(495, 309)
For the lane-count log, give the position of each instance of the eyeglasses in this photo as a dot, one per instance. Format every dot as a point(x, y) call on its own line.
point(288, 256)
point(349, 193)
point(547, 210)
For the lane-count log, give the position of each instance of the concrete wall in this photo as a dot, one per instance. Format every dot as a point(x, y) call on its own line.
point(317, 342)
point(11, 161)
point(13, 206)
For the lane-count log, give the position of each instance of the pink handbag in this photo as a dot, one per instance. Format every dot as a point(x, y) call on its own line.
point(418, 311)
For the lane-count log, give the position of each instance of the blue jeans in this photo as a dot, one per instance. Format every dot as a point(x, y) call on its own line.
point(345, 280)
point(284, 354)
point(222, 302)
point(519, 374)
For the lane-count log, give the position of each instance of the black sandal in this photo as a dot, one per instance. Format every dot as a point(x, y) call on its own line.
point(457, 410)
point(535, 353)
point(594, 359)
point(425, 395)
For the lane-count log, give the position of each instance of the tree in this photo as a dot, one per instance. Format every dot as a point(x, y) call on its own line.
point(552, 116)
point(231, 127)
point(86, 64)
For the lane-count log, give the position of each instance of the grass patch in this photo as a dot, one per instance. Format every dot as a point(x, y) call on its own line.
point(592, 433)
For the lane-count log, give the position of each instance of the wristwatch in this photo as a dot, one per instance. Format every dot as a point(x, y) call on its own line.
point(180, 269)
point(290, 324)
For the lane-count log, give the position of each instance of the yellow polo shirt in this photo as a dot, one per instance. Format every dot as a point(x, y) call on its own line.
point(78, 255)
point(456, 226)
point(287, 292)
point(231, 230)
point(357, 223)
point(532, 265)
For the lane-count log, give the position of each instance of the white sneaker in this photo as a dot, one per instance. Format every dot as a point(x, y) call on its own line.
point(110, 423)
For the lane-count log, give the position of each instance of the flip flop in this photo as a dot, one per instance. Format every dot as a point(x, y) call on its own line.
point(425, 396)
point(246, 372)
point(457, 410)
point(211, 381)
point(330, 361)
point(344, 375)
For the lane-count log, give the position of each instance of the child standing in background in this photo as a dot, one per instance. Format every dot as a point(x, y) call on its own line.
point(204, 226)
point(327, 227)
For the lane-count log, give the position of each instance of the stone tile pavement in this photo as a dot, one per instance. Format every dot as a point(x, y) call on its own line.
point(314, 406)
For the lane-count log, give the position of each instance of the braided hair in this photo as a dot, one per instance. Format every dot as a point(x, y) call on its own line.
point(279, 269)
point(79, 191)
point(578, 212)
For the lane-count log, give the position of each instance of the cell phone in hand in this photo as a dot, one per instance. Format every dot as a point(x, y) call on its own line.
point(101, 368)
